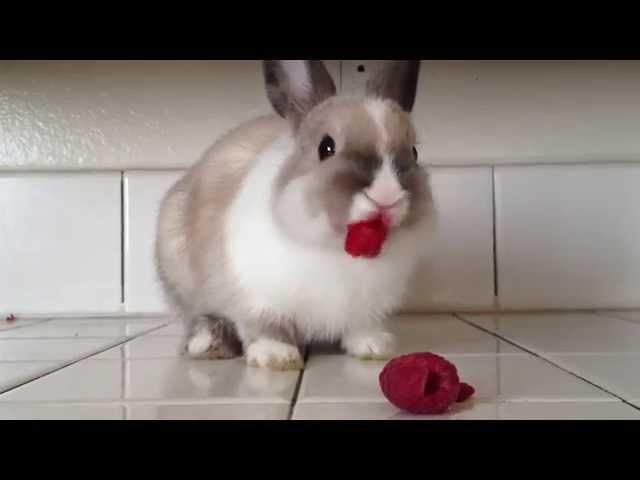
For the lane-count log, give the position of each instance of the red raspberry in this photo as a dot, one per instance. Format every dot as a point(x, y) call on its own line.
point(466, 391)
point(423, 383)
point(365, 239)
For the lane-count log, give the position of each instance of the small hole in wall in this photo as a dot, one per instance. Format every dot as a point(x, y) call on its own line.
point(361, 68)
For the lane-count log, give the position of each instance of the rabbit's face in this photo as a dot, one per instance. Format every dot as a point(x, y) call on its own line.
point(355, 160)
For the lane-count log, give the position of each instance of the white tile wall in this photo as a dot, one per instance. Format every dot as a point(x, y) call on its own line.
point(568, 236)
point(60, 236)
point(143, 193)
point(459, 270)
point(497, 112)
point(459, 273)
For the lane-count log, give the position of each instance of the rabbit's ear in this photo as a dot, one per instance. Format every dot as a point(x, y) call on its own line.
point(294, 87)
point(397, 81)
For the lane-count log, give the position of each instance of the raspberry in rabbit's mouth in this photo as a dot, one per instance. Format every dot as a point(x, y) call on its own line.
point(365, 239)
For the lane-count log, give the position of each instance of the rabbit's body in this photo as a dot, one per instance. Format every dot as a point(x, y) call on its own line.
point(252, 245)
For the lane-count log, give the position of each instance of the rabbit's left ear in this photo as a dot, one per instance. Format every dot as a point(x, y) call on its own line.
point(397, 81)
point(294, 87)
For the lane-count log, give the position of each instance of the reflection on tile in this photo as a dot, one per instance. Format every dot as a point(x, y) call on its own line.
point(617, 373)
point(86, 381)
point(386, 411)
point(261, 411)
point(528, 378)
point(506, 377)
point(12, 373)
point(566, 411)
point(25, 411)
point(12, 350)
point(221, 381)
point(152, 346)
point(443, 334)
point(564, 332)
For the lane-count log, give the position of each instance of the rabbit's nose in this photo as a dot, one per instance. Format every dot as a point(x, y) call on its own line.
point(385, 203)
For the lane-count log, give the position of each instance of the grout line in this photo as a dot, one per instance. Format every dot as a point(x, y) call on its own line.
point(296, 392)
point(495, 239)
point(123, 372)
point(541, 357)
point(68, 363)
point(122, 236)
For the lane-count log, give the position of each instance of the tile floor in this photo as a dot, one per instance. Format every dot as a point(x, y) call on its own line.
point(524, 366)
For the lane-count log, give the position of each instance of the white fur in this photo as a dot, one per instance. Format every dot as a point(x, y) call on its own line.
point(385, 193)
point(200, 342)
point(385, 190)
point(325, 291)
point(378, 109)
point(268, 353)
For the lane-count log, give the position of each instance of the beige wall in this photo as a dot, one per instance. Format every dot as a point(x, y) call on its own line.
point(163, 114)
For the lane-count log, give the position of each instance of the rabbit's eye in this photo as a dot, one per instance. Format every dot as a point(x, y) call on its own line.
point(327, 148)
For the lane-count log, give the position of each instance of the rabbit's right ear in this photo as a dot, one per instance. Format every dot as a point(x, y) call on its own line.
point(294, 87)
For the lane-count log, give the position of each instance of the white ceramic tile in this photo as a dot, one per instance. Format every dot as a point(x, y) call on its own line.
point(61, 242)
point(114, 353)
point(147, 325)
point(143, 193)
point(492, 112)
point(209, 412)
point(566, 411)
point(458, 271)
point(152, 346)
point(567, 236)
point(25, 411)
point(338, 378)
point(85, 381)
point(19, 349)
point(220, 381)
point(123, 114)
point(528, 378)
point(386, 411)
point(12, 373)
point(564, 332)
point(172, 329)
point(160, 379)
point(617, 373)
point(443, 334)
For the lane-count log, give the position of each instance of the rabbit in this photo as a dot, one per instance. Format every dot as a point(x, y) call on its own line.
point(250, 241)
